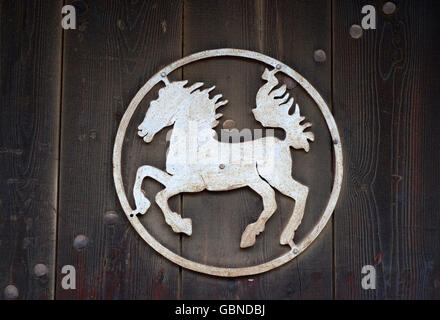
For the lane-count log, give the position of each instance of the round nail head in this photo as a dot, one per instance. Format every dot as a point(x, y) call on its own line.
point(319, 55)
point(221, 166)
point(40, 270)
point(289, 82)
point(11, 292)
point(356, 31)
point(111, 218)
point(389, 7)
point(278, 66)
point(80, 241)
point(229, 124)
point(163, 74)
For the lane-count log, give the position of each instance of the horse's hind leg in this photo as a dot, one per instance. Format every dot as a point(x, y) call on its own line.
point(295, 190)
point(141, 201)
point(270, 205)
point(299, 192)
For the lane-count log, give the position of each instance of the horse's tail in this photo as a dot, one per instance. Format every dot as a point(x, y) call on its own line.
point(273, 108)
point(295, 135)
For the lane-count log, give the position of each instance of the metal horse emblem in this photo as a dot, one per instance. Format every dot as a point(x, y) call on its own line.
point(192, 112)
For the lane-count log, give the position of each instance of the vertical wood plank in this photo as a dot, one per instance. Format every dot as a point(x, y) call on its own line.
point(385, 89)
point(280, 29)
point(30, 65)
point(117, 47)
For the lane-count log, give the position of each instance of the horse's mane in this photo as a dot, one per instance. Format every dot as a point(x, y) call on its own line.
point(202, 107)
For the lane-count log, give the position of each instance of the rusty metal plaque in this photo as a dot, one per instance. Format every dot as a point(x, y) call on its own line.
point(197, 160)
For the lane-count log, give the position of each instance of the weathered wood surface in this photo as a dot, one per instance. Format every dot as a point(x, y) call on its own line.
point(386, 88)
point(382, 89)
point(117, 47)
point(274, 28)
point(30, 71)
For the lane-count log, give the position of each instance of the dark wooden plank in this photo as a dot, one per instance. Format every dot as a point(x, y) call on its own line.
point(30, 64)
point(281, 29)
point(385, 89)
point(118, 46)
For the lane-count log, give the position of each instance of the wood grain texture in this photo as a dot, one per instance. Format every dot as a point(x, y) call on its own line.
point(117, 47)
point(275, 28)
point(385, 89)
point(382, 88)
point(30, 64)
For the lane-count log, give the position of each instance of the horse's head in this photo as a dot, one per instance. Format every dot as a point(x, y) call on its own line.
point(162, 111)
point(175, 100)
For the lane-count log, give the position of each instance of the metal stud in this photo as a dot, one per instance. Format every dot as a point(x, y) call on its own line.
point(278, 66)
point(319, 55)
point(295, 251)
point(229, 124)
point(163, 74)
point(40, 270)
point(11, 292)
point(221, 166)
point(356, 31)
point(111, 218)
point(80, 241)
point(389, 8)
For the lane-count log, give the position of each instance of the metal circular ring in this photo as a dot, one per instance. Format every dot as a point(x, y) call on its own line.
point(199, 267)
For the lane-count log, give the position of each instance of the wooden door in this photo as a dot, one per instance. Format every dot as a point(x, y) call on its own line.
point(64, 92)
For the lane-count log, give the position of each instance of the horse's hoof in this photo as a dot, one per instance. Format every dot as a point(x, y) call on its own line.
point(186, 226)
point(179, 225)
point(287, 241)
point(248, 237)
point(141, 201)
point(143, 206)
point(247, 242)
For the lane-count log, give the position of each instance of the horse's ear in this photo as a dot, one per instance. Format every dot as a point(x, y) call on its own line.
point(266, 74)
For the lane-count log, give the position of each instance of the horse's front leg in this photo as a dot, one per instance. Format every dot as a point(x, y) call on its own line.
point(140, 199)
point(174, 187)
point(269, 204)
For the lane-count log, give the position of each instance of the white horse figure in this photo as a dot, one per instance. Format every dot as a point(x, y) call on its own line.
point(196, 160)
